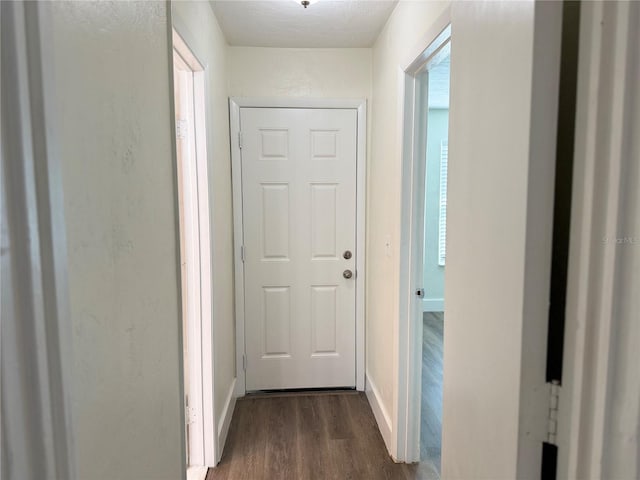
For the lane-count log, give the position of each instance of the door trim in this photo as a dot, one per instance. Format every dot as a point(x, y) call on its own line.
point(360, 105)
point(206, 450)
point(599, 332)
point(37, 328)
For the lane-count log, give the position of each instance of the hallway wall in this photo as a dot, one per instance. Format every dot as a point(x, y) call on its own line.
point(198, 26)
point(408, 22)
point(299, 72)
point(112, 96)
point(499, 220)
point(498, 229)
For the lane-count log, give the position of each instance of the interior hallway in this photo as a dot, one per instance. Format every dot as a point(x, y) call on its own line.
point(320, 436)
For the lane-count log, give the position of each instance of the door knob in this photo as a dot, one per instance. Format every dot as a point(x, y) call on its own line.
point(347, 254)
point(347, 274)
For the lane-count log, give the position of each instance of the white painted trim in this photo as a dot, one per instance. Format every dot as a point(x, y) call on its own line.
point(413, 86)
point(205, 350)
point(207, 301)
point(411, 274)
point(571, 410)
point(433, 304)
point(534, 391)
point(383, 419)
point(597, 354)
point(197, 473)
point(361, 200)
point(36, 421)
point(225, 419)
point(360, 105)
point(238, 242)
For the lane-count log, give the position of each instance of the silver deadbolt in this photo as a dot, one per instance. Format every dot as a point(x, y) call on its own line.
point(347, 254)
point(347, 274)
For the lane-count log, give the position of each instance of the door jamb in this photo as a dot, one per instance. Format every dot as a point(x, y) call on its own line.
point(211, 440)
point(598, 317)
point(360, 105)
point(37, 326)
point(405, 440)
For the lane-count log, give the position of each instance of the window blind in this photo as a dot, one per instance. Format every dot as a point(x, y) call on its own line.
point(442, 219)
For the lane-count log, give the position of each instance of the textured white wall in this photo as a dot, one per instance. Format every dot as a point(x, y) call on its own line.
point(299, 72)
point(502, 134)
point(113, 100)
point(198, 26)
point(492, 385)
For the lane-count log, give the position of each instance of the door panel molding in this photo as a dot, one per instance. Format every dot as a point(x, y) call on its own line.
point(359, 105)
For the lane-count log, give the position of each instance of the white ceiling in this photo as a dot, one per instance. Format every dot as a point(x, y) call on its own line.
point(285, 23)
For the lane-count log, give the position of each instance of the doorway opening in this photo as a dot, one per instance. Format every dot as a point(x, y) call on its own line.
point(195, 258)
point(433, 259)
point(425, 166)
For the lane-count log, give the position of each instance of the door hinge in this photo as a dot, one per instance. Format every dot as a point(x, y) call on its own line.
point(244, 363)
point(552, 419)
point(181, 128)
point(190, 415)
point(240, 140)
point(242, 253)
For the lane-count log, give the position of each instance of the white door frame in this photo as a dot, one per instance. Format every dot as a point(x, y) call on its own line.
point(597, 420)
point(36, 329)
point(406, 439)
point(203, 411)
point(360, 105)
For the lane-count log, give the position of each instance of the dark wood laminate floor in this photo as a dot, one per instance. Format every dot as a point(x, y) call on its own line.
point(300, 436)
point(431, 413)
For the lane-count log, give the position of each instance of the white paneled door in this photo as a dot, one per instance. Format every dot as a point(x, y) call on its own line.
point(299, 215)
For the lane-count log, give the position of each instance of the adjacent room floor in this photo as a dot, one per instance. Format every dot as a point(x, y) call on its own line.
point(309, 436)
point(431, 414)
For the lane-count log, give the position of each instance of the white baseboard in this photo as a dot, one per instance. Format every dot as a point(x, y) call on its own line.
point(379, 412)
point(197, 473)
point(433, 304)
point(225, 419)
